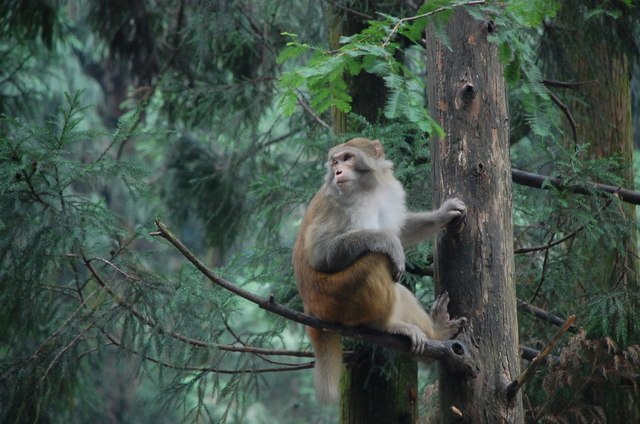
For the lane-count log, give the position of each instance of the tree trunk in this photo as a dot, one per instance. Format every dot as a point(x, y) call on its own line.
point(474, 262)
point(369, 395)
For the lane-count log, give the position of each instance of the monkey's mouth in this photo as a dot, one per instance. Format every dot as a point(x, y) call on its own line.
point(341, 181)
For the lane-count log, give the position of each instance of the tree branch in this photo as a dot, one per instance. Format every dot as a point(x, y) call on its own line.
point(547, 316)
point(565, 109)
point(549, 245)
point(453, 354)
point(564, 84)
point(192, 368)
point(517, 384)
point(424, 15)
point(530, 179)
point(311, 112)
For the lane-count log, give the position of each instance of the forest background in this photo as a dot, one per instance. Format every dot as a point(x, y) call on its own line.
point(215, 117)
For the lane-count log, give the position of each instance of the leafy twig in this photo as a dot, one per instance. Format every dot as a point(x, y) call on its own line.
point(191, 368)
point(189, 340)
point(424, 15)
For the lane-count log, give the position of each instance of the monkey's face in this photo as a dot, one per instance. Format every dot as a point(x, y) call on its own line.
point(352, 166)
point(343, 168)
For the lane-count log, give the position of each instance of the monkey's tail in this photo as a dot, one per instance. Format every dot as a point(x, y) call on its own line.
point(328, 369)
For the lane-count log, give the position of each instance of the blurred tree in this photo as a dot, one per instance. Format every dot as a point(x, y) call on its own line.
point(591, 64)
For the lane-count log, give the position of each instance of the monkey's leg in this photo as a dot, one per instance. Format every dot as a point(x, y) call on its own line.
point(408, 318)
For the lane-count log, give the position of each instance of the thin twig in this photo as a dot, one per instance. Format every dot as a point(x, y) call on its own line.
point(565, 109)
point(517, 384)
point(424, 15)
point(191, 341)
point(564, 84)
point(311, 112)
point(550, 244)
point(51, 337)
point(165, 364)
point(349, 10)
point(572, 234)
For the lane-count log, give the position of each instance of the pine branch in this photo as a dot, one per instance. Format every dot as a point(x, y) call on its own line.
point(453, 354)
point(191, 368)
point(185, 339)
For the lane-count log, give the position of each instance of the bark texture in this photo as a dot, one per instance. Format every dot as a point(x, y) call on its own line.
point(474, 261)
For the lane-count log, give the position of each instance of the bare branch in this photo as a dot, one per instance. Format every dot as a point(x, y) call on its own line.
point(565, 109)
point(517, 384)
point(547, 316)
point(530, 179)
point(564, 84)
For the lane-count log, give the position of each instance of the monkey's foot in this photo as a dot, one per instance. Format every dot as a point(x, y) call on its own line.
point(417, 336)
point(444, 325)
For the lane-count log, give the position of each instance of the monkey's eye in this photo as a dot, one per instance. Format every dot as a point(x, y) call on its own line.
point(347, 157)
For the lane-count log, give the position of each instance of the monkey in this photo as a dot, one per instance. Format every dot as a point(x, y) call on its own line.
point(349, 256)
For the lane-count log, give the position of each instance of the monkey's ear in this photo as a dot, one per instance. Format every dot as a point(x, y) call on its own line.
point(377, 147)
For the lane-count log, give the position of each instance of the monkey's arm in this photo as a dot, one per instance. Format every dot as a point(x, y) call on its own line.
point(336, 252)
point(421, 225)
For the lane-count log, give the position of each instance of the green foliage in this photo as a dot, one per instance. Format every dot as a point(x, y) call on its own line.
point(51, 217)
point(373, 50)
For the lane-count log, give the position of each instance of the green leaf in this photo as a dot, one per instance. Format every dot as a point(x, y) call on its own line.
point(291, 51)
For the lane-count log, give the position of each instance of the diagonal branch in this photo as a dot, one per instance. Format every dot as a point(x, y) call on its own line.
point(453, 354)
point(517, 384)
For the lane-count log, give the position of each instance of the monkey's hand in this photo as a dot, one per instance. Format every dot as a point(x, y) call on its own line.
point(444, 325)
point(452, 209)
